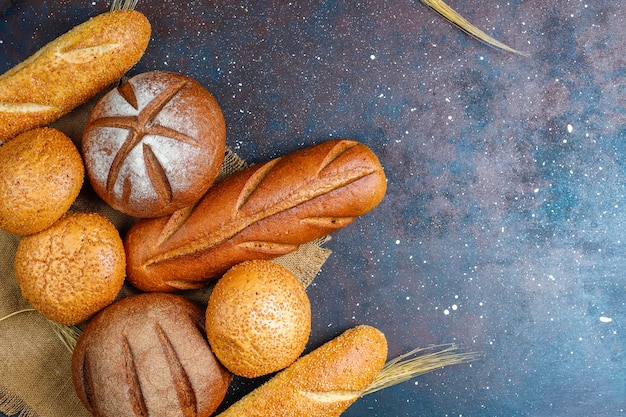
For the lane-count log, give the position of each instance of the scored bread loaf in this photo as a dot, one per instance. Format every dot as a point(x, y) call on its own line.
point(323, 383)
point(155, 144)
point(262, 212)
point(70, 70)
point(147, 355)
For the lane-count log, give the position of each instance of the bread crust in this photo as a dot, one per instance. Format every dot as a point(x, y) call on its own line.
point(70, 70)
point(41, 174)
point(323, 383)
point(155, 144)
point(258, 318)
point(262, 212)
point(73, 269)
point(147, 354)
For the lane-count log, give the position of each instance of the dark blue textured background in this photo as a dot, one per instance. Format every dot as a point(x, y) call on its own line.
point(503, 229)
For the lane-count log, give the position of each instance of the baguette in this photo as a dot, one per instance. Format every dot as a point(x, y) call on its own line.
point(323, 383)
point(70, 70)
point(262, 212)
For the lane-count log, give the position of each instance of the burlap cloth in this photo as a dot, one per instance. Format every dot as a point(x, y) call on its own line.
point(35, 378)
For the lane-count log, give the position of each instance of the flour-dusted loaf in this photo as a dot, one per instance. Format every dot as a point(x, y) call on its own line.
point(155, 144)
point(70, 70)
point(147, 355)
point(323, 383)
point(262, 212)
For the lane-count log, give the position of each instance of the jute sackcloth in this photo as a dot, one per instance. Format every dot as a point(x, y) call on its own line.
point(35, 376)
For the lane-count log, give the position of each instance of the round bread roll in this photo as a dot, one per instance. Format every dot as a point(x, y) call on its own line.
point(154, 145)
point(73, 269)
point(41, 174)
point(258, 318)
point(147, 355)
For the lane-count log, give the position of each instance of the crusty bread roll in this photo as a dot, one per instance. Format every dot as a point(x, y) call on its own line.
point(147, 355)
point(154, 145)
point(261, 212)
point(73, 269)
point(323, 383)
point(258, 318)
point(70, 70)
point(41, 174)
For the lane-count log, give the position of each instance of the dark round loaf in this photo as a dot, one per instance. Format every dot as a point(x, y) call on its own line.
point(155, 144)
point(147, 354)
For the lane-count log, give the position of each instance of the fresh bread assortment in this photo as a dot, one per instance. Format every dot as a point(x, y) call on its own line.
point(258, 318)
point(155, 144)
point(323, 383)
point(147, 355)
point(41, 174)
point(261, 212)
point(73, 269)
point(71, 70)
point(152, 149)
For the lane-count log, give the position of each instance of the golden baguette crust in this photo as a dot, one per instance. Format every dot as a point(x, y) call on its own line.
point(262, 212)
point(323, 383)
point(70, 70)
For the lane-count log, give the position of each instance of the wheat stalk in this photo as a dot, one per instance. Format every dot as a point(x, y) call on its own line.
point(15, 313)
point(123, 4)
point(438, 6)
point(67, 334)
point(460, 22)
point(409, 366)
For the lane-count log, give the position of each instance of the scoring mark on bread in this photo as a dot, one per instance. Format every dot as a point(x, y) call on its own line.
point(135, 393)
point(84, 55)
point(157, 175)
point(267, 247)
point(331, 396)
point(181, 284)
point(87, 381)
point(128, 93)
point(151, 111)
point(254, 181)
point(339, 149)
point(127, 189)
point(199, 324)
point(174, 222)
point(331, 223)
point(26, 108)
point(184, 389)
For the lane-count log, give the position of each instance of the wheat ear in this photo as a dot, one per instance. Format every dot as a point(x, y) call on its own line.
point(460, 22)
